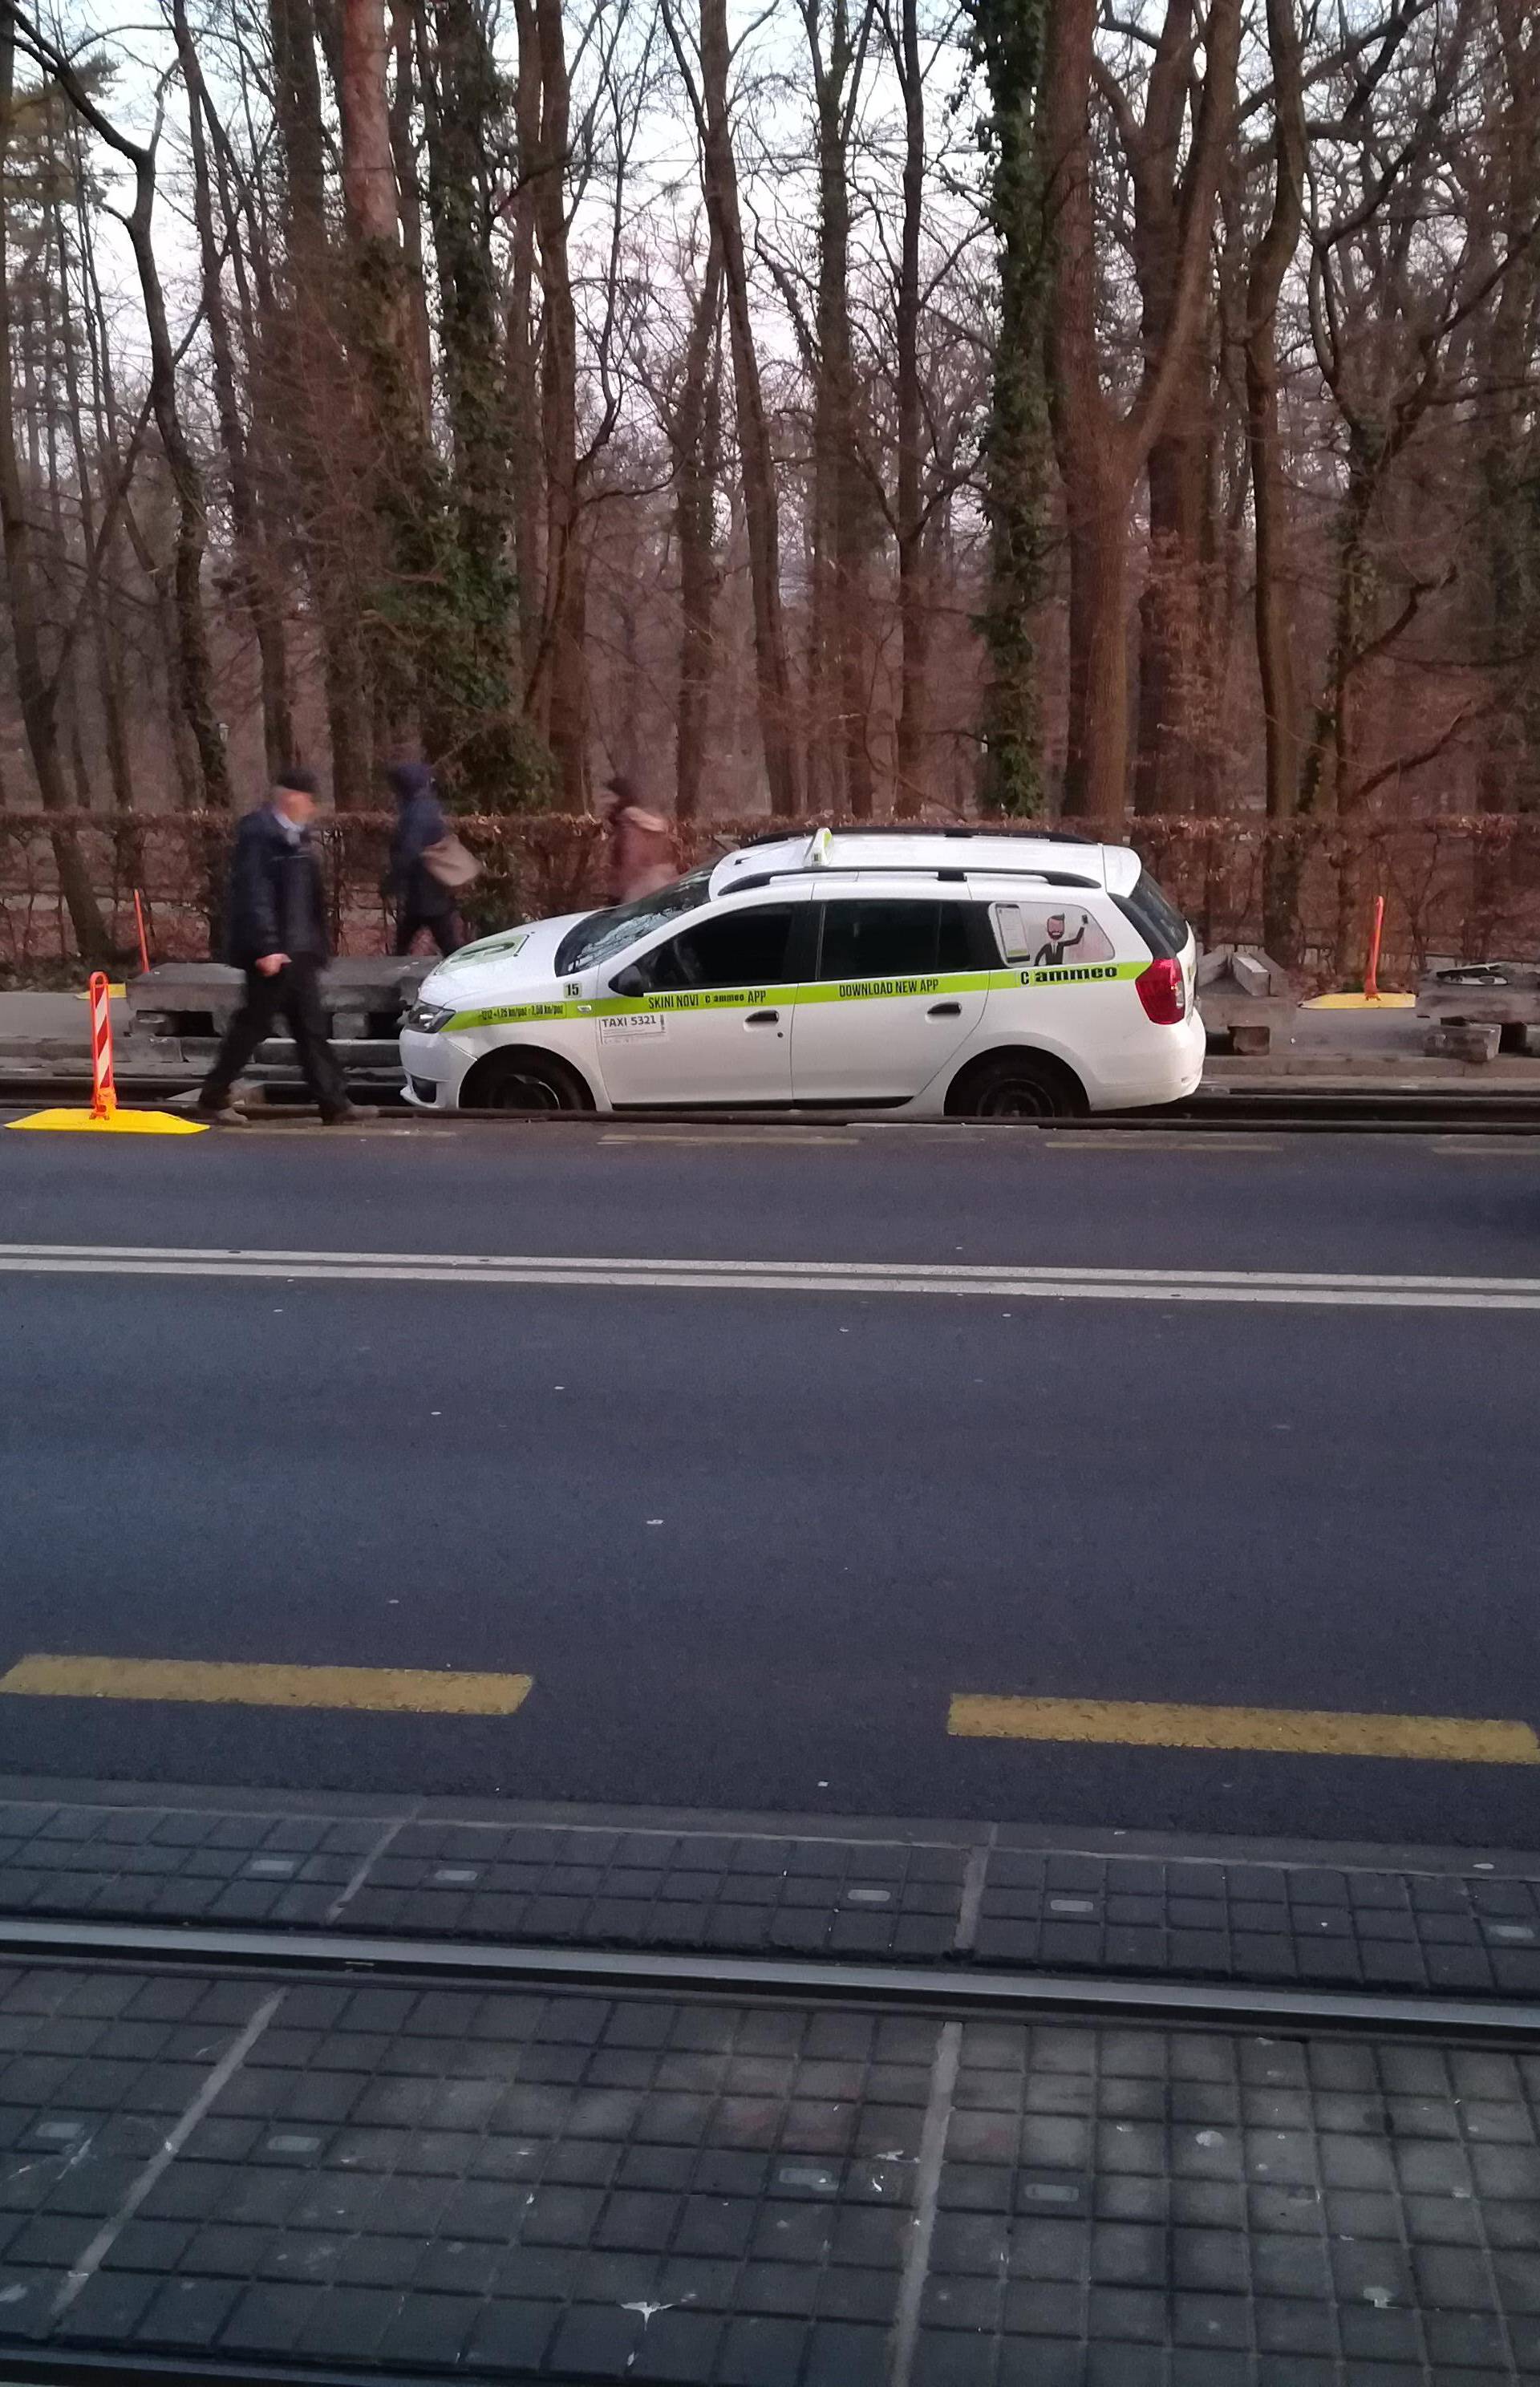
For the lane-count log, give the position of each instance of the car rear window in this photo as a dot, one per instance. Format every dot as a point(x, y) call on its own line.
point(1155, 917)
point(875, 937)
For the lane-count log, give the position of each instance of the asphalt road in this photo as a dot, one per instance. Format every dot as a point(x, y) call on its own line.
point(749, 1544)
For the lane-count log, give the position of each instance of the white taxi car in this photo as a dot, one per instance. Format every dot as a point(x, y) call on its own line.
point(945, 972)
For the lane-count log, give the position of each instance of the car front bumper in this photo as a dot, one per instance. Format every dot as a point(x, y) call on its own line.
point(432, 1067)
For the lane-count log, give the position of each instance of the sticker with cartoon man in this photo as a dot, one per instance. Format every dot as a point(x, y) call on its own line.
point(1047, 937)
point(1051, 954)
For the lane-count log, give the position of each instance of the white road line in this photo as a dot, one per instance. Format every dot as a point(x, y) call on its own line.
point(1000, 1281)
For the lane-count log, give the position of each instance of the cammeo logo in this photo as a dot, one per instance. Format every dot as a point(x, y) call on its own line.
point(1060, 976)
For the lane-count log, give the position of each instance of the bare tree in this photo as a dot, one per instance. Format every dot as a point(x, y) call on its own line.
point(705, 79)
point(1102, 448)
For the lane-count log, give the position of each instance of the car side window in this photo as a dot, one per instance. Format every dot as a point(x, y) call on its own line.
point(868, 937)
point(740, 948)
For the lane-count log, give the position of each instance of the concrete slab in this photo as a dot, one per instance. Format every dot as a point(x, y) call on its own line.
point(64, 1018)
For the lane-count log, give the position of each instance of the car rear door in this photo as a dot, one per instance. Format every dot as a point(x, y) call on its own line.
point(704, 1017)
point(888, 1003)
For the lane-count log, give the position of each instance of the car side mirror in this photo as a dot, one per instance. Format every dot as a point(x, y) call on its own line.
point(628, 982)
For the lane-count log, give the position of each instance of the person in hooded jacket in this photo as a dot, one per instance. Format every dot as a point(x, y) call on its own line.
point(420, 900)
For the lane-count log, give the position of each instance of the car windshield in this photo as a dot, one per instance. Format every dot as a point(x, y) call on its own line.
point(603, 934)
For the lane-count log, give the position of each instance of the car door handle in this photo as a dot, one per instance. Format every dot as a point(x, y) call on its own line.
point(761, 1018)
point(944, 1010)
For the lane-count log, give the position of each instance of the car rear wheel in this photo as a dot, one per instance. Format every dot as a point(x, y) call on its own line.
point(525, 1081)
point(1017, 1085)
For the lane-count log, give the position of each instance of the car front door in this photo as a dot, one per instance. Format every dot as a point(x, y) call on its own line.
point(705, 1017)
point(884, 1010)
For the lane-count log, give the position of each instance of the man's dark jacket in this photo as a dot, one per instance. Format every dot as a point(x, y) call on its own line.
point(419, 822)
point(277, 895)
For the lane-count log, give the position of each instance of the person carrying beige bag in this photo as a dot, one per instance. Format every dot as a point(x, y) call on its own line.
point(428, 865)
point(642, 856)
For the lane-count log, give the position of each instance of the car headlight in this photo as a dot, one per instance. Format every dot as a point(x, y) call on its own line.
point(429, 1018)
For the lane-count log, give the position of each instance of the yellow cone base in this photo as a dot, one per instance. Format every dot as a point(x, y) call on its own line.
point(121, 1123)
point(1360, 1003)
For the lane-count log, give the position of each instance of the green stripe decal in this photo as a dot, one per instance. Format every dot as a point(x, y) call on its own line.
point(746, 998)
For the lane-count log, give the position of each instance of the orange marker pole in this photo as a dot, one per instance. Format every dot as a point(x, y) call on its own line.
point(104, 1093)
point(139, 924)
point(1371, 972)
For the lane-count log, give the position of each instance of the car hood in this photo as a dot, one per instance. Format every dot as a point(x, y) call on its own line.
point(522, 959)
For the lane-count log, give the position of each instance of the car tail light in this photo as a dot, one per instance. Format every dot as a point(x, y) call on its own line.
point(1163, 991)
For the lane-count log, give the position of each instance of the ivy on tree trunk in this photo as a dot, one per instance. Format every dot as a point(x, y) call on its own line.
point(1009, 38)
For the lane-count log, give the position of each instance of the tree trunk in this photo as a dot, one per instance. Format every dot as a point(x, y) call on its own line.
point(1165, 765)
point(104, 644)
point(36, 692)
point(408, 209)
point(837, 693)
point(259, 589)
point(413, 619)
point(696, 443)
point(1102, 452)
point(909, 515)
point(557, 695)
point(1508, 444)
point(1016, 446)
point(756, 461)
point(311, 380)
point(1096, 769)
point(523, 379)
point(1168, 760)
point(194, 668)
point(1275, 653)
point(108, 621)
point(1094, 448)
point(368, 162)
point(463, 103)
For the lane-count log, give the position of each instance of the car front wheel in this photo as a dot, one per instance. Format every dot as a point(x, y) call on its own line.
point(525, 1081)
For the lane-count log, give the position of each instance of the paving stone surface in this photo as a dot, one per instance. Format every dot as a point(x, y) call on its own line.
point(436, 2182)
point(931, 1897)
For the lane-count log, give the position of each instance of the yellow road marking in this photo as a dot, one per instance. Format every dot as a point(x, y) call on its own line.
point(1299, 1732)
point(391, 1690)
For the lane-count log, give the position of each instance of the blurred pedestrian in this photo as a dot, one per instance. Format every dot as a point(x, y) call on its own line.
point(641, 844)
point(275, 931)
point(427, 863)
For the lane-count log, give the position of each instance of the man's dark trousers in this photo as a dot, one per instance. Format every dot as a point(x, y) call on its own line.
point(445, 928)
point(291, 993)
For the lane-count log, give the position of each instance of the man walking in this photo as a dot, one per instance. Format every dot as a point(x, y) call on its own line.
point(420, 900)
point(276, 931)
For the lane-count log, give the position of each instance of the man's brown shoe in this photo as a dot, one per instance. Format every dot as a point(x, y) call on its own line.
point(351, 1114)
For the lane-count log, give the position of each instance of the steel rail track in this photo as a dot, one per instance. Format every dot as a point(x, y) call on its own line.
point(1397, 1111)
point(953, 1990)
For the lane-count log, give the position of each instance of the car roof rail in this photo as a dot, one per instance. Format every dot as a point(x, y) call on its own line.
point(784, 836)
point(918, 870)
